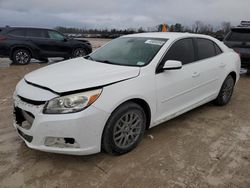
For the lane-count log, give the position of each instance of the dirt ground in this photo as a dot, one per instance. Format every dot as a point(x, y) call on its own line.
point(207, 147)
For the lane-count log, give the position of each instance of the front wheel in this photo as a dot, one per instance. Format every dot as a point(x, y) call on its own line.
point(21, 57)
point(124, 129)
point(225, 92)
point(79, 52)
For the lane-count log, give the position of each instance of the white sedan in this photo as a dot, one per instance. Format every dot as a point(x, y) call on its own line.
point(108, 99)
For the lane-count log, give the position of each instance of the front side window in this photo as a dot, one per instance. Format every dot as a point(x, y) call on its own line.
point(182, 50)
point(17, 32)
point(130, 51)
point(55, 35)
point(205, 48)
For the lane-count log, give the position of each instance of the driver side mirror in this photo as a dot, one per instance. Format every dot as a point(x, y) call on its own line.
point(172, 65)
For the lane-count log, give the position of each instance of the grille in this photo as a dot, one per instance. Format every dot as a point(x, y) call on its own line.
point(29, 101)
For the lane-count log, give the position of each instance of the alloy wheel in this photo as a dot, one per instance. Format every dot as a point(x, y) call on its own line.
point(80, 52)
point(127, 130)
point(22, 57)
point(227, 89)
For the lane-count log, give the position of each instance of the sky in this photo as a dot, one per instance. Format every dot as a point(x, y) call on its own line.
point(120, 13)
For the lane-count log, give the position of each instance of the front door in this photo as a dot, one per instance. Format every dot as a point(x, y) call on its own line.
point(177, 89)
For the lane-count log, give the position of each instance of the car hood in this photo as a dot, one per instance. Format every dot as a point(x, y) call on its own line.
point(79, 73)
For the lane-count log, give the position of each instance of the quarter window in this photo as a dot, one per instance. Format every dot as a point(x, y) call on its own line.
point(182, 50)
point(205, 48)
point(217, 49)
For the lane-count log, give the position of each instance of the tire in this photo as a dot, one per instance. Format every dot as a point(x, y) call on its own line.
point(124, 129)
point(21, 57)
point(226, 91)
point(79, 52)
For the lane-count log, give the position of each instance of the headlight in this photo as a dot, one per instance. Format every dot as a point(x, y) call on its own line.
point(71, 103)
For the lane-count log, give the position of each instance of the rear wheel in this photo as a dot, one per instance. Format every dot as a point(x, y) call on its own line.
point(79, 52)
point(225, 92)
point(124, 129)
point(21, 57)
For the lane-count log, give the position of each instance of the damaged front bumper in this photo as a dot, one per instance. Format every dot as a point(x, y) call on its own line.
point(76, 133)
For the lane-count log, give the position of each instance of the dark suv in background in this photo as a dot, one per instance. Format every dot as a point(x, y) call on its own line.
point(239, 40)
point(22, 44)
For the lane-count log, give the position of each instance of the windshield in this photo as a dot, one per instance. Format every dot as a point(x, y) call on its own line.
point(130, 51)
point(238, 35)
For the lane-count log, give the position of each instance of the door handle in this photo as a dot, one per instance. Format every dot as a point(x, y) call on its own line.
point(222, 65)
point(195, 74)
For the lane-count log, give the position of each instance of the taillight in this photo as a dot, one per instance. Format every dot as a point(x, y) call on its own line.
point(2, 38)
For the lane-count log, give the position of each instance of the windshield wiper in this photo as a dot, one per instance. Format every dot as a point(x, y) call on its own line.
point(105, 61)
point(89, 57)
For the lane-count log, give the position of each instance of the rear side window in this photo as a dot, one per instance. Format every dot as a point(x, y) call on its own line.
point(18, 32)
point(205, 48)
point(37, 33)
point(182, 50)
point(242, 35)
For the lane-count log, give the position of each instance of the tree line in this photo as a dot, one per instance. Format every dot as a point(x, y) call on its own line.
point(198, 27)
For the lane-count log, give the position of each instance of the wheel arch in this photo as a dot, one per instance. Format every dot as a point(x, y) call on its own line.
point(84, 46)
point(145, 106)
point(21, 47)
point(234, 75)
point(142, 103)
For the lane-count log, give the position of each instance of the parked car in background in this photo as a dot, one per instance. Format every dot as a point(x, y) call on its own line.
point(110, 97)
point(239, 40)
point(21, 44)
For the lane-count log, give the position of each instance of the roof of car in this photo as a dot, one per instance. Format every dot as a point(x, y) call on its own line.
point(240, 28)
point(10, 28)
point(167, 35)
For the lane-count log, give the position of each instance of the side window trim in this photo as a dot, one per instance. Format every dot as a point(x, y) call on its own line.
point(196, 56)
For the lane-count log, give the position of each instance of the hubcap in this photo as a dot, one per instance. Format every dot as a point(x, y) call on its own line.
point(80, 53)
point(127, 130)
point(227, 89)
point(22, 57)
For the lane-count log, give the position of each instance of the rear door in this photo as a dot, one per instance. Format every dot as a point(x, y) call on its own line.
point(210, 66)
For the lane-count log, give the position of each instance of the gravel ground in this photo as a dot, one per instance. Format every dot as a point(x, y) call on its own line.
point(207, 147)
